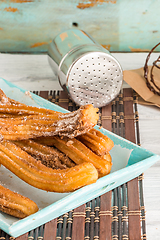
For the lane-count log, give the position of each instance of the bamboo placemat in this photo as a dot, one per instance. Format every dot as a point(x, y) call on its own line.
point(118, 214)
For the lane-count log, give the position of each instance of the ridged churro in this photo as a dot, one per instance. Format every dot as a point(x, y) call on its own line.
point(12, 108)
point(97, 142)
point(15, 204)
point(36, 174)
point(79, 153)
point(48, 156)
point(69, 124)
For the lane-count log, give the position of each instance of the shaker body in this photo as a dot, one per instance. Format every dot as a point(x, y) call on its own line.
point(87, 71)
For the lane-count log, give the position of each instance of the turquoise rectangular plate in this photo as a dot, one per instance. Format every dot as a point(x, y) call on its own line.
point(129, 161)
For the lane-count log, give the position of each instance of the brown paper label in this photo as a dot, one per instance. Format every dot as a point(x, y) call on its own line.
point(135, 78)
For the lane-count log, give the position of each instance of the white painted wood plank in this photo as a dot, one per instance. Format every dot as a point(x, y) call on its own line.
point(33, 72)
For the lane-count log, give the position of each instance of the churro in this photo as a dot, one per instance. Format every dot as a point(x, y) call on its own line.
point(19, 121)
point(48, 156)
point(79, 153)
point(97, 142)
point(12, 108)
point(69, 124)
point(15, 204)
point(36, 174)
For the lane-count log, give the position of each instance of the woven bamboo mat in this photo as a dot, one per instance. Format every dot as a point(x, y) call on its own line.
point(118, 214)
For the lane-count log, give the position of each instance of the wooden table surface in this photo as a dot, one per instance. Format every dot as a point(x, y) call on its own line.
point(32, 72)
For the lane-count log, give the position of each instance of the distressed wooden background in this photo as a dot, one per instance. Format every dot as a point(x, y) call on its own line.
point(119, 25)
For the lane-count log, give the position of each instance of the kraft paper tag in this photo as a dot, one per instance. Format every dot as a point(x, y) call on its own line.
point(135, 78)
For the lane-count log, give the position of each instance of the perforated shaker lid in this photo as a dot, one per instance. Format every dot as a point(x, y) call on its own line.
point(95, 78)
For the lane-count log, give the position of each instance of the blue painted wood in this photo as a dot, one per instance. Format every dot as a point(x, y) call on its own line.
point(122, 25)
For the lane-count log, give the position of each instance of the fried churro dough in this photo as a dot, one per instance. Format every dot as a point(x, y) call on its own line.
point(68, 124)
point(12, 108)
point(36, 174)
point(15, 204)
point(79, 153)
point(50, 157)
point(97, 142)
point(19, 121)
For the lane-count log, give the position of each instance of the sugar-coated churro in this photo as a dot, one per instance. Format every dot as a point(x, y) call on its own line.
point(97, 141)
point(36, 174)
point(79, 153)
point(15, 204)
point(19, 121)
point(68, 124)
point(12, 108)
point(49, 156)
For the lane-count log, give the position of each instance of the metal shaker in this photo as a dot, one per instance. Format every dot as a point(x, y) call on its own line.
point(87, 71)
